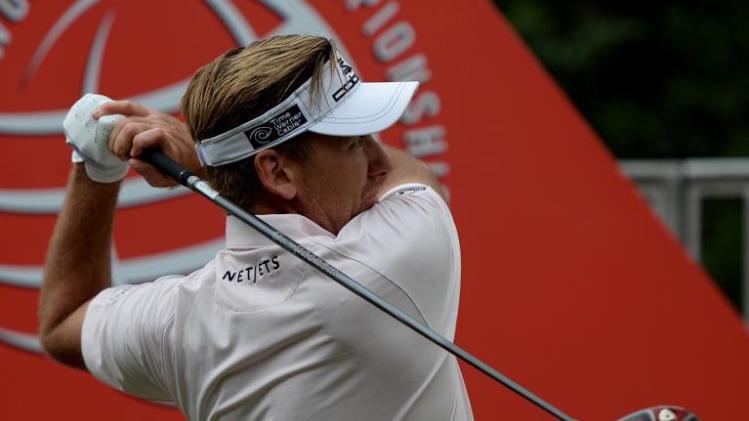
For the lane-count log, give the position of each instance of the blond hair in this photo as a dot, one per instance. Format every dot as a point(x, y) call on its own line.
point(242, 84)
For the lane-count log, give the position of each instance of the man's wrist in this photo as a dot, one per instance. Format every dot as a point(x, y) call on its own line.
point(79, 176)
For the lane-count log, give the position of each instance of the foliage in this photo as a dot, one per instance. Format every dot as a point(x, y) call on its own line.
point(656, 79)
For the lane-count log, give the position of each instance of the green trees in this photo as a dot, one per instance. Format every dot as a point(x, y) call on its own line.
point(664, 79)
point(656, 79)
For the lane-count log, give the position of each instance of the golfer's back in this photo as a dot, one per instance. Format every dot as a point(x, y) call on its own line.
point(258, 334)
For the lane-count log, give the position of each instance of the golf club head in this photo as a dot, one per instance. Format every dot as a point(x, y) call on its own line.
point(661, 413)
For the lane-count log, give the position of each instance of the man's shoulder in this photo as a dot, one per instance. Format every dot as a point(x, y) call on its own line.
point(405, 213)
point(407, 189)
point(409, 230)
point(160, 292)
point(409, 240)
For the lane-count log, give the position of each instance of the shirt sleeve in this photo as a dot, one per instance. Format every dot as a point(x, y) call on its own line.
point(122, 338)
point(410, 238)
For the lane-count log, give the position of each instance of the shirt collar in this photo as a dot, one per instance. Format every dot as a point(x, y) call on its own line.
point(240, 235)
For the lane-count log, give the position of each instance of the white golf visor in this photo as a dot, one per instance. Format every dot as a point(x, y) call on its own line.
point(344, 106)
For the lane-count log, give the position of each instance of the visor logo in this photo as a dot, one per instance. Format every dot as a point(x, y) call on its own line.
point(351, 80)
point(346, 88)
point(260, 135)
point(280, 126)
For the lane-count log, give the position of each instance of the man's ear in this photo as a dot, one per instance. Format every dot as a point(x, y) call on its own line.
point(276, 173)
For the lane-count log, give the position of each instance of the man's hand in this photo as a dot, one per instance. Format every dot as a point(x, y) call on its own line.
point(88, 138)
point(145, 128)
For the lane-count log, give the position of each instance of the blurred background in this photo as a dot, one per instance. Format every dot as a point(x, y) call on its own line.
point(568, 278)
point(666, 86)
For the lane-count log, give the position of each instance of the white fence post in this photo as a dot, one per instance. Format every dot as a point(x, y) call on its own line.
point(676, 189)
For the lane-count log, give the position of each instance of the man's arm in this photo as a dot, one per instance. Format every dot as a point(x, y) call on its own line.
point(406, 169)
point(77, 266)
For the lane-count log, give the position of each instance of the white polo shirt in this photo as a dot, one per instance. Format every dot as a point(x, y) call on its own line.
point(259, 335)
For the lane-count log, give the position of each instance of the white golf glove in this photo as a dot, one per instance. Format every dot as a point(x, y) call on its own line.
point(88, 138)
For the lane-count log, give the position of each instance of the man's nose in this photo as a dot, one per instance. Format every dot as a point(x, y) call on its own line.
point(379, 161)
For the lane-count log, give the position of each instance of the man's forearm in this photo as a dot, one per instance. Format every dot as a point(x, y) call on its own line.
point(77, 265)
point(407, 169)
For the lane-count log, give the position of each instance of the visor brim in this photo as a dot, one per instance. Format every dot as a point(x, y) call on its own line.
point(372, 108)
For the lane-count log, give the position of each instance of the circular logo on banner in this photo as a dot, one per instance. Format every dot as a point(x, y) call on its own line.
point(53, 52)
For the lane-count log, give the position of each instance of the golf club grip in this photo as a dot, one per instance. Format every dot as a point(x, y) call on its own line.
point(166, 165)
point(158, 159)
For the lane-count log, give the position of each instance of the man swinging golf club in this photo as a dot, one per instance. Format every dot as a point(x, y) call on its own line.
point(284, 130)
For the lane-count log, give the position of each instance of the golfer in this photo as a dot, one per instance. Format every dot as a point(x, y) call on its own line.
point(284, 129)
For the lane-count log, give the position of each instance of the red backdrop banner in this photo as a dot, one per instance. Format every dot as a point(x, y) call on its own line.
point(570, 285)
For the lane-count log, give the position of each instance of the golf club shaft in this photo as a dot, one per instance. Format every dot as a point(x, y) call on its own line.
point(166, 165)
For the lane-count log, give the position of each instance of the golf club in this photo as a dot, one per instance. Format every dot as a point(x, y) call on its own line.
point(160, 161)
